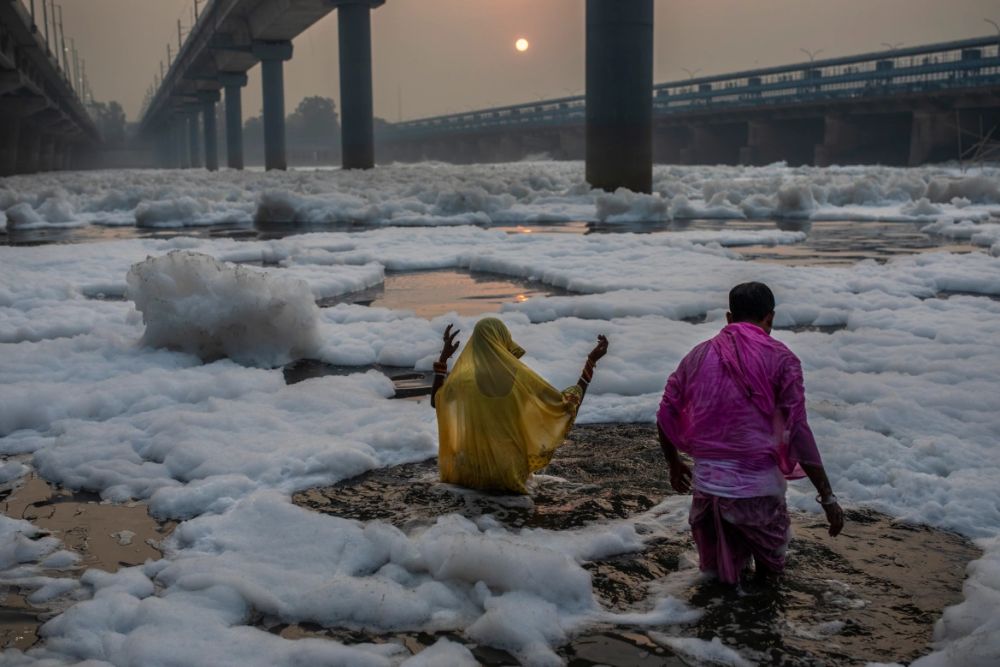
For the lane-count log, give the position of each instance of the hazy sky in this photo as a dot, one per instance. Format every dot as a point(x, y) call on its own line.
point(440, 56)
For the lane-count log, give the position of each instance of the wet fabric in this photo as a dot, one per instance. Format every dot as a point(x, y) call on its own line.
point(498, 421)
point(736, 404)
point(728, 531)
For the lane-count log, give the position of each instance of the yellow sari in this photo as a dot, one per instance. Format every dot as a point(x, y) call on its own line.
point(498, 421)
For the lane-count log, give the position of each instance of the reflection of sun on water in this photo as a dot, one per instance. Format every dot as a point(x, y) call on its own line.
point(522, 45)
point(520, 298)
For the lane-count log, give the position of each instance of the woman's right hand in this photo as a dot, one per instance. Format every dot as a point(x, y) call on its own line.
point(599, 350)
point(450, 343)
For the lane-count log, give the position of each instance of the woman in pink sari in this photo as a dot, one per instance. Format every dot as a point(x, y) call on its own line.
point(736, 405)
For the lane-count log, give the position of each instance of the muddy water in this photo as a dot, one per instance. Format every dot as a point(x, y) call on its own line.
point(432, 293)
point(103, 535)
point(872, 594)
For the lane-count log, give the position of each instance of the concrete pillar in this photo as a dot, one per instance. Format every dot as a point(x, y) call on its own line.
point(572, 144)
point(792, 140)
point(620, 94)
point(28, 149)
point(68, 150)
point(58, 150)
point(718, 144)
point(234, 83)
point(938, 136)
point(10, 138)
point(208, 99)
point(194, 142)
point(356, 107)
point(672, 144)
point(180, 138)
point(273, 56)
point(866, 139)
point(46, 153)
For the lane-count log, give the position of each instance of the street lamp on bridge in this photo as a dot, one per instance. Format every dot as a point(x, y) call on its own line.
point(812, 54)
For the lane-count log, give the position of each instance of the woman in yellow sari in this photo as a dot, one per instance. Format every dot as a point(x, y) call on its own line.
point(498, 421)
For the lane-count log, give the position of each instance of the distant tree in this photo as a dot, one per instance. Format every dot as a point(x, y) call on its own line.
point(110, 120)
point(314, 131)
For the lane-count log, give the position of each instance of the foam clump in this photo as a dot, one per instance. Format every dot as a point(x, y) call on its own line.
point(702, 652)
point(169, 212)
point(194, 303)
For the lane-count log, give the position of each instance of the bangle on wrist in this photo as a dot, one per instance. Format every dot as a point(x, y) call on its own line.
point(827, 500)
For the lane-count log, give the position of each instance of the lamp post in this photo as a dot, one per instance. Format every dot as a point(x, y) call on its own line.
point(812, 54)
point(691, 72)
point(892, 46)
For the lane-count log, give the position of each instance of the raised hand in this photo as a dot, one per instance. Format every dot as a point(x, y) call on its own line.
point(450, 343)
point(599, 350)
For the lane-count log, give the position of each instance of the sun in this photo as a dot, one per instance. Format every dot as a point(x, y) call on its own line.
point(522, 45)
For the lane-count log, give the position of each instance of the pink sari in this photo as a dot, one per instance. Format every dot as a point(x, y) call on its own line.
point(736, 405)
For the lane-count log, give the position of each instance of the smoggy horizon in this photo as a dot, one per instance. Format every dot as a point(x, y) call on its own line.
point(444, 56)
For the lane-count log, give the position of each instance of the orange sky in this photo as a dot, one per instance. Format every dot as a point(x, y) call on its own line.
point(444, 56)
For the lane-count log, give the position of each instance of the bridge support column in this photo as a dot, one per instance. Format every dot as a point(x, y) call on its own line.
point(868, 139)
point(46, 154)
point(572, 144)
point(180, 138)
point(58, 154)
point(10, 139)
point(273, 56)
point(717, 144)
point(672, 145)
point(194, 140)
point(938, 135)
point(29, 149)
point(620, 94)
point(790, 139)
point(234, 83)
point(208, 99)
point(357, 135)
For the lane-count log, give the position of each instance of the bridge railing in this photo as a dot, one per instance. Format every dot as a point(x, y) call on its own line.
point(964, 64)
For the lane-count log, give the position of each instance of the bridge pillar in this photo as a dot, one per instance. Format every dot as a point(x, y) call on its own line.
point(208, 100)
point(29, 149)
point(866, 139)
point(10, 139)
point(790, 139)
point(234, 83)
point(572, 144)
point(717, 144)
point(58, 154)
point(273, 56)
point(357, 136)
point(194, 140)
point(180, 139)
point(620, 94)
point(672, 144)
point(46, 155)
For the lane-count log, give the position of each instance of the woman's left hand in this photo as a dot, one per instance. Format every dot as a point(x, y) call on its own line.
point(600, 350)
point(450, 344)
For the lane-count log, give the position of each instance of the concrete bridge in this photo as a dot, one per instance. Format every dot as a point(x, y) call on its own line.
point(901, 107)
point(44, 124)
point(228, 39)
point(232, 36)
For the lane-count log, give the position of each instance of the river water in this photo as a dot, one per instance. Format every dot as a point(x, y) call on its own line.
point(847, 601)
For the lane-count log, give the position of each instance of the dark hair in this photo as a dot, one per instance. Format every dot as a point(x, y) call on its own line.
point(751, 302)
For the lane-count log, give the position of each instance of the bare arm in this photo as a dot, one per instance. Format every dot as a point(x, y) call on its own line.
point(441, 365)
point(588, 368)
point(680, 473)
point(834, 513)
